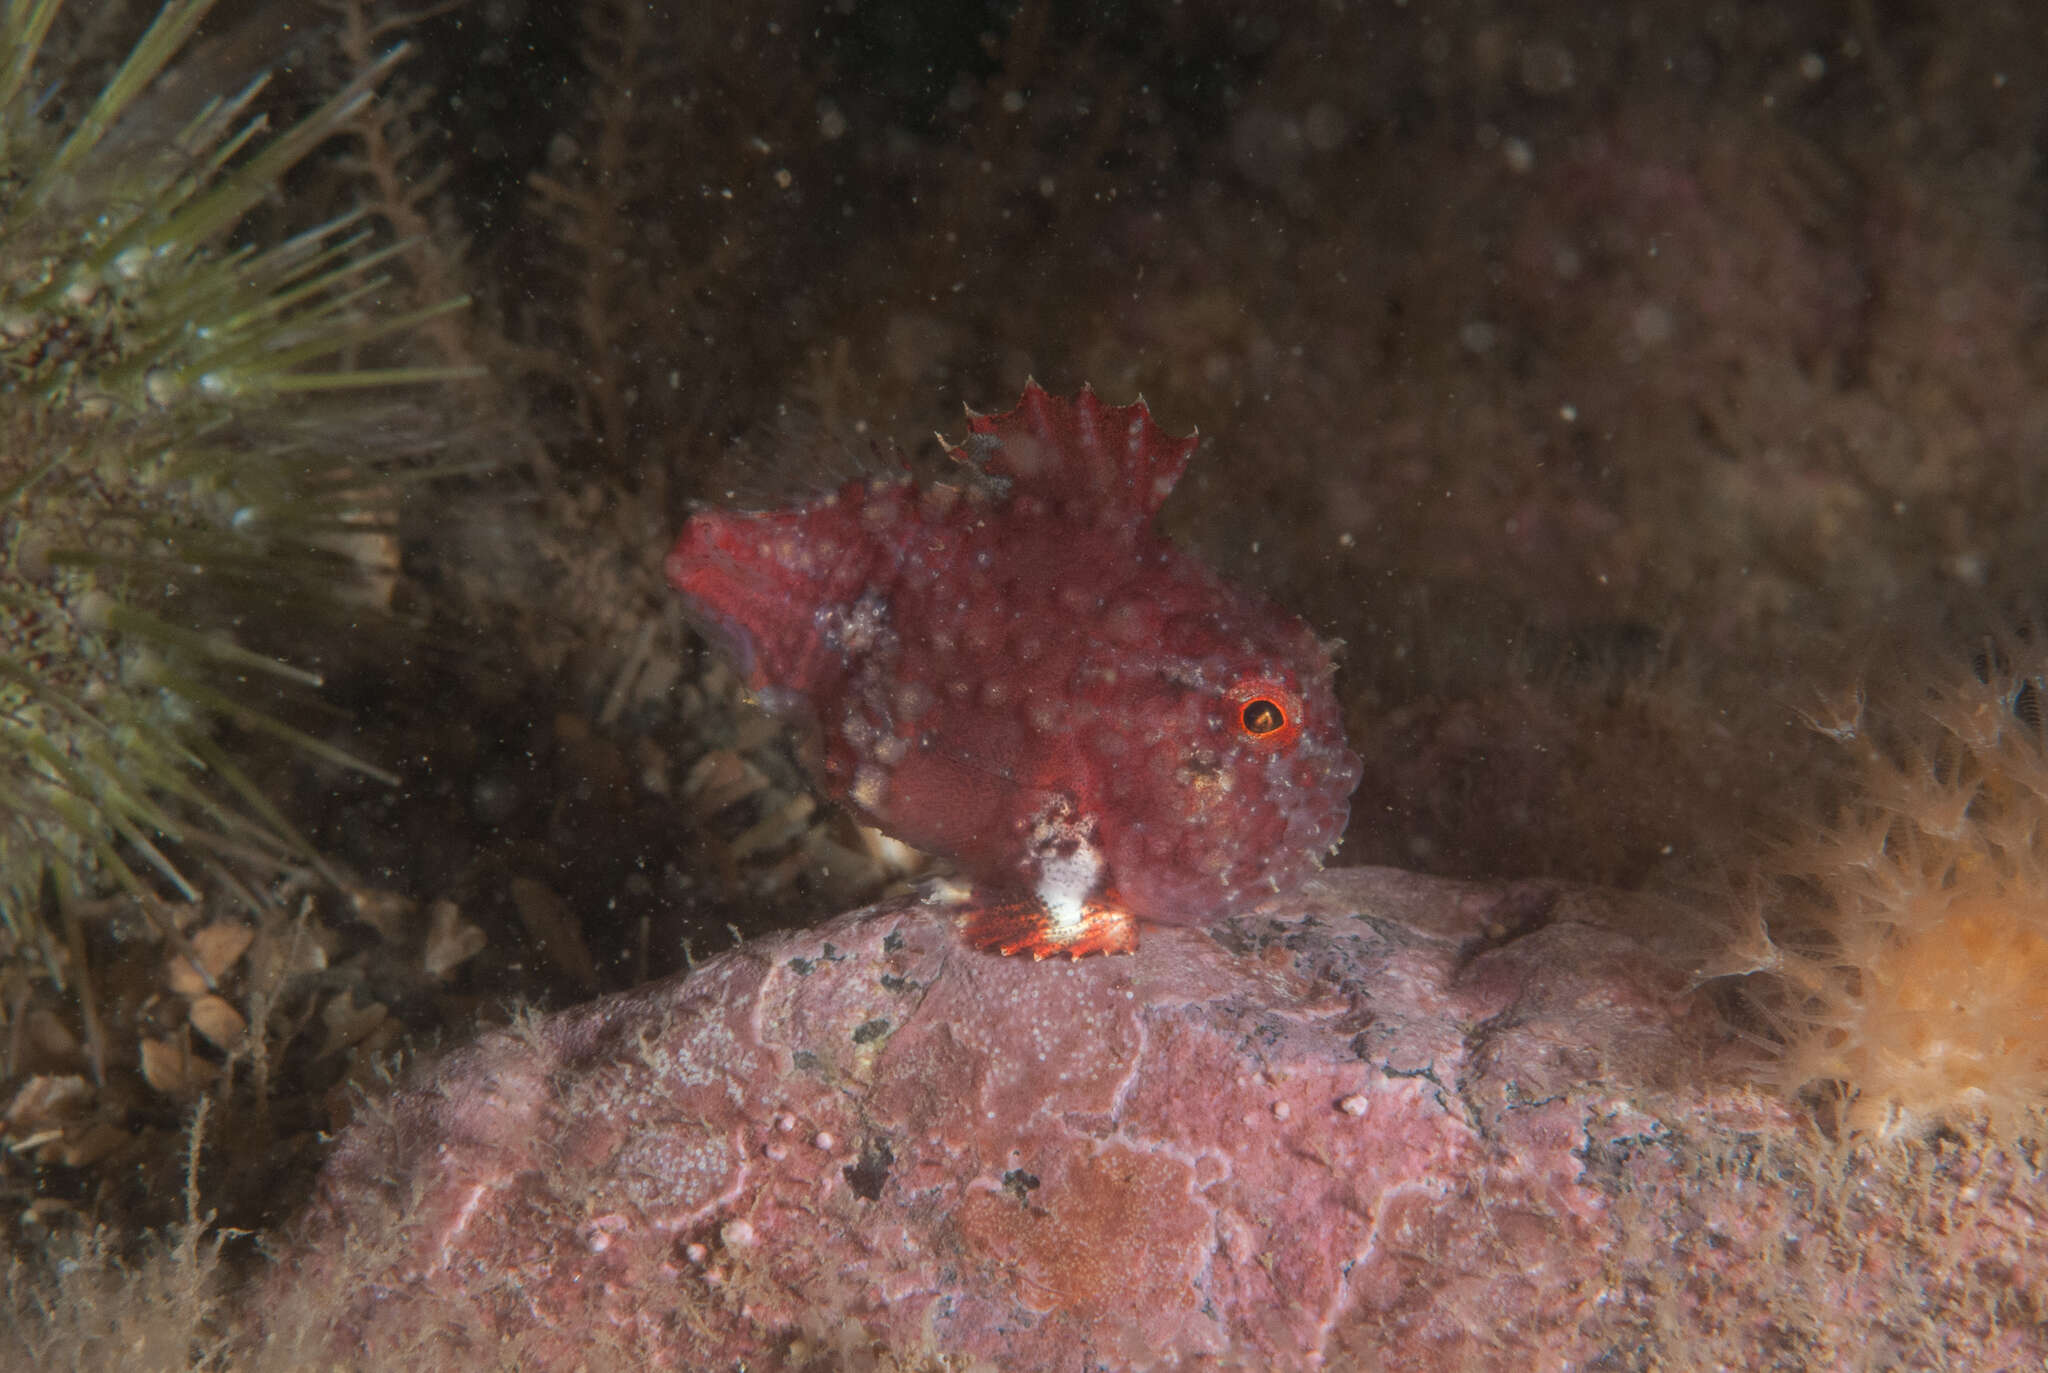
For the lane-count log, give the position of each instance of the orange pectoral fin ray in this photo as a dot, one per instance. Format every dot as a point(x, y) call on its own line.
point(1025, 926)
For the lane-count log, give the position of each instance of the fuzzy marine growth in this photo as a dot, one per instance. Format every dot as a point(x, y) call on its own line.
point(1018, 673)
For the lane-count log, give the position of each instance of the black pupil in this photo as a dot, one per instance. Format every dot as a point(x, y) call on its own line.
point(1262, 717)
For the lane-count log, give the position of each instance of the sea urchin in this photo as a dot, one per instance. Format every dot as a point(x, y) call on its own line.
point(187, 435)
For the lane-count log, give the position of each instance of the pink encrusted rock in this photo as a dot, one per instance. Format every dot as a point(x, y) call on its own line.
point(1399, 1123)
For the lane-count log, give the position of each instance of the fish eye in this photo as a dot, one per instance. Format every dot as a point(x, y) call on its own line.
point(1266, 712)
point(1262, 716)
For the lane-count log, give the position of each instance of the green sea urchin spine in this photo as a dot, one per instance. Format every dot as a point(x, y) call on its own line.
point(185, 432)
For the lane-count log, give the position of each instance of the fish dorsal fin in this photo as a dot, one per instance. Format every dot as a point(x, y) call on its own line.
point(1109, 458)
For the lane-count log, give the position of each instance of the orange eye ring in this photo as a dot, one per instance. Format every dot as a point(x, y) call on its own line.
point(1265, 713)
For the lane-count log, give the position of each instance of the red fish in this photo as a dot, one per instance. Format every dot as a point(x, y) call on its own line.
point(1018, 673)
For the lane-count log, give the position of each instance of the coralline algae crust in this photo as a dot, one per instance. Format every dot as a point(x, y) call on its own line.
point(1410, 1124)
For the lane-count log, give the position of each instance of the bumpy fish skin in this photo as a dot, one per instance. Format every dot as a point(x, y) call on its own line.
point(1019, 674)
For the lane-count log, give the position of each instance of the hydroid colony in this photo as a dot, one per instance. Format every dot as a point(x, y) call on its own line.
point(1921, 997)
point(188, 437)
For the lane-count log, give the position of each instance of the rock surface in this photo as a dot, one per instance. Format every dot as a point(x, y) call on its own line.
point(1402, 1123)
